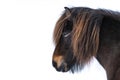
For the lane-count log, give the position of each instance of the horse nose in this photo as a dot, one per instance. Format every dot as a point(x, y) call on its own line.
point(54, 64)
point(60, 67)
point(63, 67)
point(57, 66)
point(58, 63)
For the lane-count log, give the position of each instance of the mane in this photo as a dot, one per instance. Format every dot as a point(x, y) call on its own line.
point(59, 28)
point(86, 29)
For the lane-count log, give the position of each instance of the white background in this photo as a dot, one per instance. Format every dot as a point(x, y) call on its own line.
point(26, 46)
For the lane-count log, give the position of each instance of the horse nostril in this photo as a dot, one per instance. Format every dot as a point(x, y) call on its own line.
point(58, 68)
point(59, 64)
point(54, 64)
point(61, 68)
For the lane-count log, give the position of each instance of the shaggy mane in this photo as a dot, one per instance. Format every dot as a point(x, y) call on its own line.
point(85, 33)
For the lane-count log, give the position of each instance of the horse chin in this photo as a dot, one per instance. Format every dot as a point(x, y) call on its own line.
point(65, 69)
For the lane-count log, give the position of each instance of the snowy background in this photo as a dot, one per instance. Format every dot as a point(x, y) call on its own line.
point(26, 46)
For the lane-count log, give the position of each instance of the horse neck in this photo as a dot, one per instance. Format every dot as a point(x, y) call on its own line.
point(109, 46)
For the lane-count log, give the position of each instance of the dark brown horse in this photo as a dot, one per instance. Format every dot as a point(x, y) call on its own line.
point(81, 33)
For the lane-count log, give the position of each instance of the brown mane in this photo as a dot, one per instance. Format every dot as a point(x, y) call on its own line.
point(92, 33)
point(59, 28)
point(85, 39)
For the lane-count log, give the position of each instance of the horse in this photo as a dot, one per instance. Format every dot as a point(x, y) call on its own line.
point(82, 33)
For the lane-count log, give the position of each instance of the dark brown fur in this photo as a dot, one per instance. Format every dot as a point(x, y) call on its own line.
point(93, 32)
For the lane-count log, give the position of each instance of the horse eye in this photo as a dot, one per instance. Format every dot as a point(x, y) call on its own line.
point(66, 34)
point(67, 29)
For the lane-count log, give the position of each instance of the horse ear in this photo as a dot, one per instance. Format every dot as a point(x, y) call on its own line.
point(68, 12)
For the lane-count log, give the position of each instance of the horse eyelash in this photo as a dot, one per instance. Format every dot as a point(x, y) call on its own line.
point(66, 35)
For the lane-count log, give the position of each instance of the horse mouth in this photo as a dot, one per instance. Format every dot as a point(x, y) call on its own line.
point(62, 68)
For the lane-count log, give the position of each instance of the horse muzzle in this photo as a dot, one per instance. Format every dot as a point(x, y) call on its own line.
point(61, 67)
